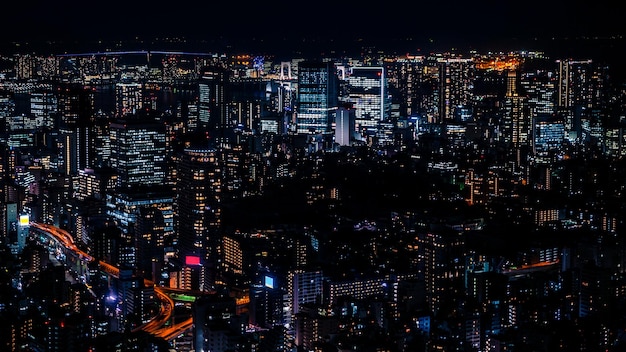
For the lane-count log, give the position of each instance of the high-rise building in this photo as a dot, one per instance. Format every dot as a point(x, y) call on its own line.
point(213, 98)
point(317, 97)
point(344, 126)
point(581, 87)
point(548, 135)
point(443, 267)
point(76, 134)
point(405, 79)
point(368, 93)
point(199, 192)
point(456, 76)
point(126, 210)
point(517, 120)
point(138, 152)
point(305, 287)
point(128, 98)
point(540, 85)
point(44, 108)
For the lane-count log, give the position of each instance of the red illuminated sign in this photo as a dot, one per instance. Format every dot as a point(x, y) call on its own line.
point(192, 260)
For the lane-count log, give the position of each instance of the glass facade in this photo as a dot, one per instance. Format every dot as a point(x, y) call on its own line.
point(317, 97)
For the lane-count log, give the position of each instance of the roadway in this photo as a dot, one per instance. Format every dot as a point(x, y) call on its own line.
point(529, 268)
point(156, 326)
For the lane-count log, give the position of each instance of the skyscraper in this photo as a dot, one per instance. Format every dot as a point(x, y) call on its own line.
point(199, 190)
point(138, 152)
point(212, 101)
point(128, 98)
point(44, 107)
point(456, 76)
point(344, 125)
point(367, 87)
point(517, 120)
point(317, 97)
point(580, 87)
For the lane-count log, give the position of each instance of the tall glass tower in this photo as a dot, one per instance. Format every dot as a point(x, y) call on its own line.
point(317, 96)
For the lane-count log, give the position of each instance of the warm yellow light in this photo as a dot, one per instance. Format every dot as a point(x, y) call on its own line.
point(24, 220)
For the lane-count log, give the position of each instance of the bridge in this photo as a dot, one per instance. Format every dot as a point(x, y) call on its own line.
point(157, 324)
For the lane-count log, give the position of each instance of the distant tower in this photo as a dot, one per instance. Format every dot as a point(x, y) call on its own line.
point(344, 125)
point(455, 79)
point(213, 102)
point(517, 120)
point(75, 128)
point(128, 98)
point(317, 96)
point(581, 88)
point(285, 70)
point(44, 107)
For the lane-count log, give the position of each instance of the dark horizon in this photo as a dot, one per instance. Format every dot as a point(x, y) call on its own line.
point(608, 49)
point(279, 28)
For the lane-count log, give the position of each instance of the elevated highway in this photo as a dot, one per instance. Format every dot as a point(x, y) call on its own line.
point(156, 325)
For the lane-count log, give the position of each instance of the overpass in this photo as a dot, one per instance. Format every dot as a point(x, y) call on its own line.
point(157, 324)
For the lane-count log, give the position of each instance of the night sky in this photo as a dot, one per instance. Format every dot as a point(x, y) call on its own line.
point(322, 25)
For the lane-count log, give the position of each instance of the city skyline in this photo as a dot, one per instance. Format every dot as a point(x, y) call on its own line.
point(180, 187)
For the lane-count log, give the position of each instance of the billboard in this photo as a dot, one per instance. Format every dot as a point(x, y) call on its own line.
point(192, 260)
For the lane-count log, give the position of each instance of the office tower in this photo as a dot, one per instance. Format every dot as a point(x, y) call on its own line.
point(128, 98)
point(442, 265)
point(75, 105)
point(105, 241)
point(305, 288)
point(317, 97)
point(615, 138)
point(232, 253)
point(138, 152)
point(101, 141)
point(516, 121)
point(90, 184)
point(199, 191)
point(24, 66)
point(540, 85)
point(548, 137)
point(456, 79)
point(344, 126)
point(251, 99)
point(405, 79)
point(311, 325)
point(133, 211)
point(9, 221)
point(368, 94)
point(44, 108)
point(213, 98)
point(215, 323)
point(581, 88)
point(573, 83)
point(153, 231)
point(266, 303)
point(7, 109)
